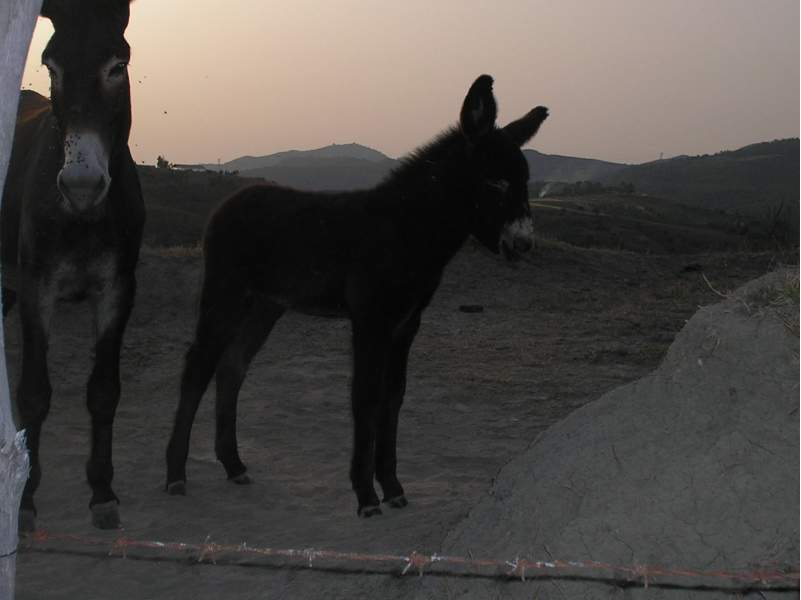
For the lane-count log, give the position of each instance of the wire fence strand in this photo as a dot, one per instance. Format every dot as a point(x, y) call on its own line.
point(763, 577)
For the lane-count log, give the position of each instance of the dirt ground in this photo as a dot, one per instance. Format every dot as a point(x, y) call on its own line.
point(555, 333)
point(692, 467)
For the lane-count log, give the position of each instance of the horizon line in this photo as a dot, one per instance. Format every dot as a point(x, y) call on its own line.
point(219, 162)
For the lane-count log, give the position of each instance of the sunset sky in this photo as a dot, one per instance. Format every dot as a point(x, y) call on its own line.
point(625, 80)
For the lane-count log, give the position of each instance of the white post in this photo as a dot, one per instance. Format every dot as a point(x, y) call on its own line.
point(17, 20)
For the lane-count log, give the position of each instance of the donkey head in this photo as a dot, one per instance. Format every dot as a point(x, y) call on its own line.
point(87, 58)
point(498, 171)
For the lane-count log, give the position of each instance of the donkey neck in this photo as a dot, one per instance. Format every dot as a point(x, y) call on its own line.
point(428, 193)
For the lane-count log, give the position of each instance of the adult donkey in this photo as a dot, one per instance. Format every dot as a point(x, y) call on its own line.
point(72, 218)
point(375, 256)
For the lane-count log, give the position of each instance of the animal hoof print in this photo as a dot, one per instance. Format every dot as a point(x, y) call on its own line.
point(176, 488)
point(365, 512)
point(397, 502)
point(27, 521)
point(106, 515)
point(241, 479)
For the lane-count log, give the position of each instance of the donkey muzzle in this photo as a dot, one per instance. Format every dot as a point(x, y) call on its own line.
point(84, 179)
point(517, 238)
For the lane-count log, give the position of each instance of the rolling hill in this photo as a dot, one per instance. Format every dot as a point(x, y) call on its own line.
point(325, 173)
point(759, 181)
point(333, 167)
point(353, 166)
point(744, 180)
point(553, 167)
point(752, 180)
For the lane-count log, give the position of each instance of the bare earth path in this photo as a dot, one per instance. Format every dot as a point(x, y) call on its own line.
point(555, 333)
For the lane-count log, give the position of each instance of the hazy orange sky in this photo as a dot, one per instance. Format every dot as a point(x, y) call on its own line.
point(625, 80)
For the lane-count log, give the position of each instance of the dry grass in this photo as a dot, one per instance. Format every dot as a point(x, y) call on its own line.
point(780, 299)
point(784, 294)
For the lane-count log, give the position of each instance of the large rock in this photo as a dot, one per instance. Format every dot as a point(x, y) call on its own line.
point(696, 465)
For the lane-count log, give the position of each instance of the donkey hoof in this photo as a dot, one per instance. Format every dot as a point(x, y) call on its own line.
point(106, 515)
point(397, 501)
point(365, 512)
point(241, 479)
point(176, 488)
point(27, 520)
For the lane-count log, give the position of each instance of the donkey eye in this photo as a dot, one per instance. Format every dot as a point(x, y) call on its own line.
point(54, 72)
point(118, 69)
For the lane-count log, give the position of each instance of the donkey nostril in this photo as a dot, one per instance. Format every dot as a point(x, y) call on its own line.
point(82, 192)
point(63, 186)
point(100, 185)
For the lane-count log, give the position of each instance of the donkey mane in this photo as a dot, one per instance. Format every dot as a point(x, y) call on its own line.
point(438, 148)
point(423, 171)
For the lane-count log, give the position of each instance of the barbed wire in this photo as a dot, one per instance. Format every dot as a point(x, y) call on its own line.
point(763, 577)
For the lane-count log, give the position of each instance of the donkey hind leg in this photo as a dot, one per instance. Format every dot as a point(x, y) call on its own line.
point(231, 372)
point(112, 308)
point(387, 434)
point(223, 306)
point(370, 354)
point(34, 391)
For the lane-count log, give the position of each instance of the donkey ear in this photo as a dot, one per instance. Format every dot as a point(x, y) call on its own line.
point(51, 9)
point(479, 109)
point(523, 129)
point(61, 10)
point(120, 9)
point(124, 12)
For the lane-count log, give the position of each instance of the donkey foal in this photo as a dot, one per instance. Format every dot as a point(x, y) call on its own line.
point(375, 256)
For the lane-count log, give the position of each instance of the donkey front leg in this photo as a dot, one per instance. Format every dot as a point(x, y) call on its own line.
point(386, 443)
point(34, 391)
point(231, 371)
point(370, 356)
point(112, 309)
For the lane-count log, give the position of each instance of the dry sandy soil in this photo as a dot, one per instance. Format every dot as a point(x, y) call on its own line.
point(555, 333)
point(693, 467)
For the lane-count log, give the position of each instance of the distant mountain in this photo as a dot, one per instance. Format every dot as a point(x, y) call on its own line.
point(334, 167)
point(750, 180)
point(353, 166)
point(296, 157)
point(325, 174)
point(553, 167)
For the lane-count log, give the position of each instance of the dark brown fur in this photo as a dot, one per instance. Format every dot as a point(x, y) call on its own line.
point(375, 256)
point(53, 251)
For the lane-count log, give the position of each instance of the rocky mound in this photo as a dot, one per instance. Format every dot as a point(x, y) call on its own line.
point(694, 466)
